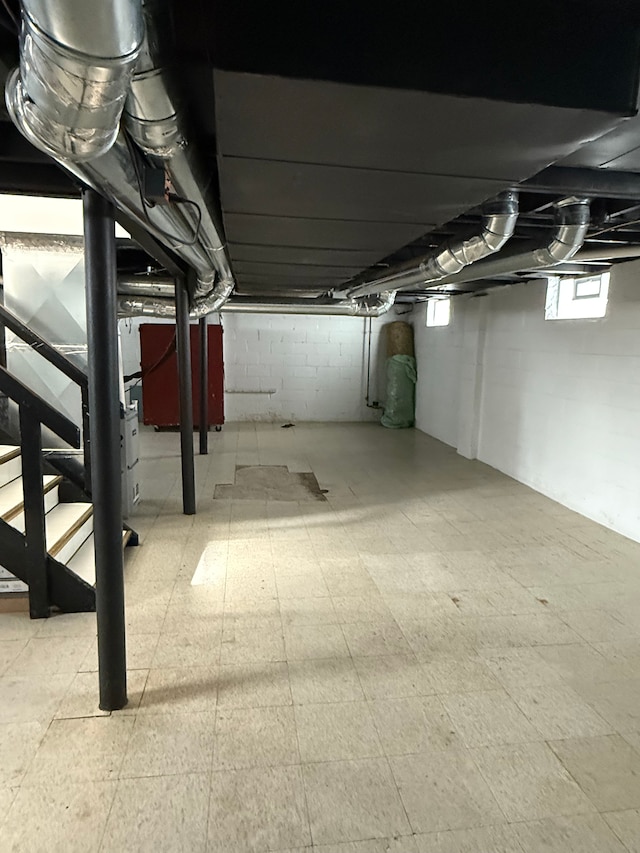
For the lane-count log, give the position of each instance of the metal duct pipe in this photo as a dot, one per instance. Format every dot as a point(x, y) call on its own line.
point(76, 63)
point(572, 222)
point(498, 223)
point(186, 225)
point(138, 302)
point(152, 120)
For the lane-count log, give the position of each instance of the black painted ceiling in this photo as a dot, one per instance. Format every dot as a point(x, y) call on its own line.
point(338, 136)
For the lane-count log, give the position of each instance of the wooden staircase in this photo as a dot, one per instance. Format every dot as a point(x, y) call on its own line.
point(68, 527)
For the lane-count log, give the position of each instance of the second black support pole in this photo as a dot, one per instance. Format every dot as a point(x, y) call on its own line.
point(185, 389)
point(204, 387)
point(104, 425)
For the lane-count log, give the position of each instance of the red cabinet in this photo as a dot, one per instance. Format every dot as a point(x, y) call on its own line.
point(160, 375)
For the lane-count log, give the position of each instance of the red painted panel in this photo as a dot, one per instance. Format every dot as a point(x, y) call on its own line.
point(160, 375)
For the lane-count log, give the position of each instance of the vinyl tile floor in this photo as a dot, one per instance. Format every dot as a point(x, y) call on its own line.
point(432, 659)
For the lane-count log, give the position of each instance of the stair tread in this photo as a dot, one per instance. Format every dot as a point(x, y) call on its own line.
point(11, 498)
point(83, 561)
point(63, 521)
point(8, 451)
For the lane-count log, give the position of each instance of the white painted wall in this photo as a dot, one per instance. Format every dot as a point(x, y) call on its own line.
point(288, 367)
point(554, 404)
point(298, 368)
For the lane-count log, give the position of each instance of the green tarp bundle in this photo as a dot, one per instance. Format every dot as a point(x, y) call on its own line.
point(399, 410)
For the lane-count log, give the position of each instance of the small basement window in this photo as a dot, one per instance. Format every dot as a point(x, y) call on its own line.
point(438, 312)
point(577, 298)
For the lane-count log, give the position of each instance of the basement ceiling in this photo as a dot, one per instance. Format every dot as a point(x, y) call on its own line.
point(313, 152)
point(337, 138)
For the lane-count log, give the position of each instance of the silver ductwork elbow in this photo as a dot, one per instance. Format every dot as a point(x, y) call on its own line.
point(77, 59)
point(572, 222)
point(134, 301)
point(571, 225)
point(498, 223)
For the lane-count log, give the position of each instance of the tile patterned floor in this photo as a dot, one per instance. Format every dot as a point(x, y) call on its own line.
point(435, 659)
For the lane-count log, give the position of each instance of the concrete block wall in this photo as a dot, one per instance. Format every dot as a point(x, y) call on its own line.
point(301, 368)
point(554, 404)
point(288, 367)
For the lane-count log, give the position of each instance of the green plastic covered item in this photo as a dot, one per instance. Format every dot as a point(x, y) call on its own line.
point(399, 410)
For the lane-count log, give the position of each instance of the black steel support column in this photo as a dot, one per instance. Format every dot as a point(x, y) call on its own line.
point(183, 345)
point(36, 548)
point(104, 420)
point(204, 387)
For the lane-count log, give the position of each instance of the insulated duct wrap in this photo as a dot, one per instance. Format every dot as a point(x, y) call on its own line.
point(155, 299)
point(571, 225)
point(77, 59)
point(498, 223)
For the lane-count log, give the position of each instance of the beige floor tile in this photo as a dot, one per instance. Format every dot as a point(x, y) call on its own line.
point(188, 649)
point(187, 690)
point(597, 626)
point(633, 738)
point(353, 800)
point(490, 839)
point(618, 702)
point(626, 825)
point(68, 625)
point(488, 718)
point(9, 651)
point(254, 685)
point(324, 680)
point(50, 655)
point(392, 677)
point(399, 844)
point(256, 810)
point(361, 608)
point(28, 699)
point(366, 639)
point(17, 626)
point(529, 782)
point(302, 585)
point(336, 731)
point(69, 817)
point(251, 644)
point(159, 813)
point(444, 790)
point(420, 606)
point(459, 675)
point(557, 711)
point(7, 796)
point(307, 611)
point(577, 834)
point(575, 662)
point(606, 768)
point(88, 749)
point(18, 744)
point(255, 737)
point(520, 667)
point(308, 642)
point(170, 744)
point(83, 696)
point(413, 724)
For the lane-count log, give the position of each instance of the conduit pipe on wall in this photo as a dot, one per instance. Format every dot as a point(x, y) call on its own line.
point(72, 37)
point(498, 223)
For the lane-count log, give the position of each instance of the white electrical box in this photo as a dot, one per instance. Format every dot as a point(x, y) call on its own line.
point(129, 453)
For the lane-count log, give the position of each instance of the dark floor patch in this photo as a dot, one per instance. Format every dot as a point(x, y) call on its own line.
point(270, 483)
